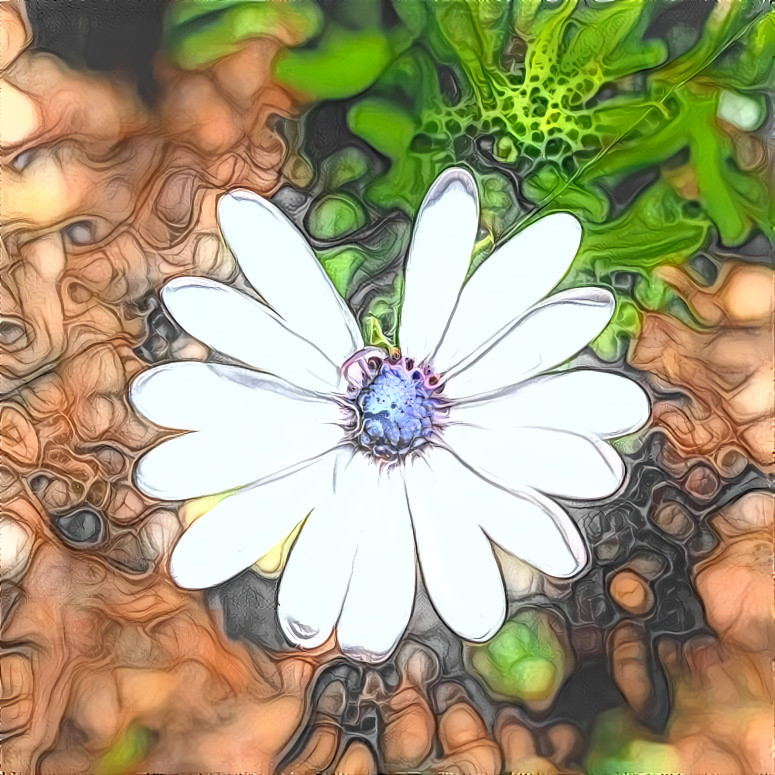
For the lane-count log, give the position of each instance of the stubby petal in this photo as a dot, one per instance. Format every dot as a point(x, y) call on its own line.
point(244, 329)
point(190, 395)
point(555, 462)
point(516, 276)
point(314, 584)
point(245, 526)
point(381, 592)
point(584, 401)
point(458, 566)
point(281, 266)
point(439, 257)
point(548, 335)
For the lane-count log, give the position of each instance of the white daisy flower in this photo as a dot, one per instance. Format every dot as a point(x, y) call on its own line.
point(430, 454)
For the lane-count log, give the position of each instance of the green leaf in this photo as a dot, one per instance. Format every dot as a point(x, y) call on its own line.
point(341, 265)
point(751, 64)
point(345, 166)
point(335, 215)
point(657, 229)
point(383, 313)
point(525, 660)
point(553, 191)
point(198, 32)
point(127, 754)
point(344, 63)
point(619, 744)
point(735, 201)
point(475, 31)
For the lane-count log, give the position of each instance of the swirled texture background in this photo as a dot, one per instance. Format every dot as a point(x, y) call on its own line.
point(122, 122)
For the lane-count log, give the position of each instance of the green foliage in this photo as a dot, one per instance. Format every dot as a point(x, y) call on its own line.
point(618, 744)
point(356, 262)
point(576, 99)
point(381, 322)
point(658, 228)
point(335, 215)
point(570, 99)
point(525, 660)
point(198, 32)
point(341, 264)
point(344, 63)
point(128, 752)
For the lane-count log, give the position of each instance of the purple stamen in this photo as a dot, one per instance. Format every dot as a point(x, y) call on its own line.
point(397, 404)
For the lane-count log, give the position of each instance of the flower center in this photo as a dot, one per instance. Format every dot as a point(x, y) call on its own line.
point(396, 407)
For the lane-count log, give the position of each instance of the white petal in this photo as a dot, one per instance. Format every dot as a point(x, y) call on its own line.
point(314, 584)
point(381, 592)
point(524, 523)
point(534, 528)
point(439, 257)
point(552, 461)
point(281, 266)
point(457, 562)
point(190, 395)
point(243, 328)
point(585, 401)
point(516, 276)
point(245, 526)
point(549, 334)
point(219, 459)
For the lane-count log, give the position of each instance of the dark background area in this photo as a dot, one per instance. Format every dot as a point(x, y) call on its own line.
point(117, 35)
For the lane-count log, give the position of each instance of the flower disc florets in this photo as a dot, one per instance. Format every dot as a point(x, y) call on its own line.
point(397, 406)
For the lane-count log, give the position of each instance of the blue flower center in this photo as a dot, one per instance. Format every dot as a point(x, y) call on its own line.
point(397, 409)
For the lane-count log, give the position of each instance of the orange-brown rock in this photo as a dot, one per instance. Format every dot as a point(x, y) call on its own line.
point(102, 200)
point(519, 745)
point(468, 746)
point(358, 759)
point(721, 687)
point(725, 365)
point(631, 592)
point(629, 664)
point(410, 724)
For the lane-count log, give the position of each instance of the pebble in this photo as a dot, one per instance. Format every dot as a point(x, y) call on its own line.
point(631, 592)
